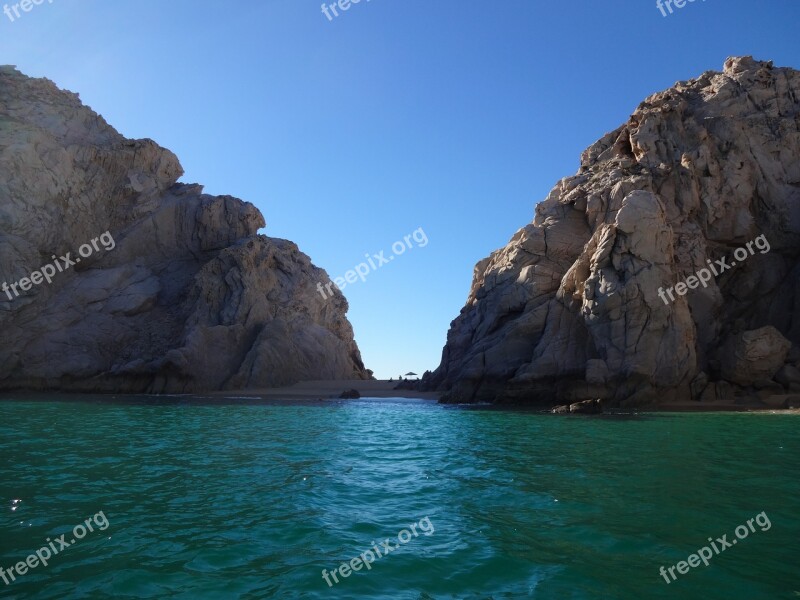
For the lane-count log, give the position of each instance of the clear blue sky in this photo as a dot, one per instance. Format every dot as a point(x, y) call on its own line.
point(454, 116)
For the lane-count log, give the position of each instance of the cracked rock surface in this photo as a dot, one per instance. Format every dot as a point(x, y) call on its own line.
point(190, 298)
point(570, 309)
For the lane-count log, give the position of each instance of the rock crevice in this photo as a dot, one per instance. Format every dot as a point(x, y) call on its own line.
point(570, 309)
point(190, 298)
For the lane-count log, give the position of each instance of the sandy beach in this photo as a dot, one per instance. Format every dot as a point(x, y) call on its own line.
point(314, 390)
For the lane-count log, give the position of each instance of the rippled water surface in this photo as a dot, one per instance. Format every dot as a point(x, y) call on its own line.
point(254, 502)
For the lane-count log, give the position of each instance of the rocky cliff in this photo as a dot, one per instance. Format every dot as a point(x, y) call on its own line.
point(117, 278)
point(599, 297)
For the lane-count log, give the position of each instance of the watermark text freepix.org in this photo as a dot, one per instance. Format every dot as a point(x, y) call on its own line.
point(361, 270)
point(343, 5)
point(668, 3)
point(43, 554)
point(717, 268)
point(366, 558)
point(25, 5)
point(47, 272)
point(704, 553)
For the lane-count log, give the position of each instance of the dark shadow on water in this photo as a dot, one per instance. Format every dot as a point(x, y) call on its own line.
point(235, 399)
point(242, 399)
point(616, 414)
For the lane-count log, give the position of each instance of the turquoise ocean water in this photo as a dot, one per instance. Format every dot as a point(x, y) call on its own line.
point(254, 501)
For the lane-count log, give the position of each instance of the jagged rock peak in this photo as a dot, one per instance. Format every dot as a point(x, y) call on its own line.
point(162, 287)
point(574, 307)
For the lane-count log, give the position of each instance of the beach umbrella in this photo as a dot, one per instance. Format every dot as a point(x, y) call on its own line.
point(410, 374)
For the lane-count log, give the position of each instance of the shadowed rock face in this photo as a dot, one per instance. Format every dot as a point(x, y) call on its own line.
point(570, 309)
point(187, 298)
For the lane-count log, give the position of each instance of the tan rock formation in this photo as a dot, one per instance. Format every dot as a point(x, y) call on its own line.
point(190, 298)
point(570, 309)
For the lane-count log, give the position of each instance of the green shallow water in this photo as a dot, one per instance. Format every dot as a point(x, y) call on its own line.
point(255, 501)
